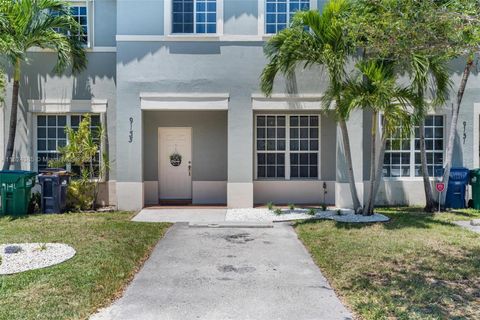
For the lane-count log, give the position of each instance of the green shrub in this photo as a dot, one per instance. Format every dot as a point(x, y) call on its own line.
point(80, 195)
point(291, 206)
point(270, 206)
point(278, 211)
point(324, 207)
point(312, 211)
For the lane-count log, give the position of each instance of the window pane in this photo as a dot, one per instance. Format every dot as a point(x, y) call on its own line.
point(182, 16)
point(261, 133)
point(261, 159)
point(41, 120)
point(261, 172)
point(280, 12)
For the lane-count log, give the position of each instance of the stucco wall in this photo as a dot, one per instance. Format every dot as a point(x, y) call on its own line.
point(146, 17)
point(39, 82)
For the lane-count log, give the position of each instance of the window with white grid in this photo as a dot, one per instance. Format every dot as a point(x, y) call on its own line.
point(434, 143)
point(402, 154)
point(287, 146)
point(80, 14)
point(194, 16)
point(279, 13)
point(271, 146)
point(51, 135)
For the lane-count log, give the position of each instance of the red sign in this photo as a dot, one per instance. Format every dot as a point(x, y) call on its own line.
point(440, 186)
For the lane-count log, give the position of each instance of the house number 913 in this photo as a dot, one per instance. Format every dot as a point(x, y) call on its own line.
point(130, 137)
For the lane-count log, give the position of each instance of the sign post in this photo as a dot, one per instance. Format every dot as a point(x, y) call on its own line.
point(440, 186)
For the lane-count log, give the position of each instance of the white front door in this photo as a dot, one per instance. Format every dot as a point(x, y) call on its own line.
point(175, 177)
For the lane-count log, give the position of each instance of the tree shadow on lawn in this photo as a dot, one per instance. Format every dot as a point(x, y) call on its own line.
point(444, 285)
point(420, 220)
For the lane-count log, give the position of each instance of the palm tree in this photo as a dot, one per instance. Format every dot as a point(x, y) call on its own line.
point(428, 72)
point(44, 24)
point(316, 39)
point(376, 90)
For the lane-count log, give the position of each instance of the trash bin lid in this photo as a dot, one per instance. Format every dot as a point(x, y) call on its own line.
point(16, 172)
point(475, 172)
point(459, 174)
point(54, 171)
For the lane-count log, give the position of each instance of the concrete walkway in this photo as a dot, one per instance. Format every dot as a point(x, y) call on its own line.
point(228, 273)
point(468, 225)
point(181, 215)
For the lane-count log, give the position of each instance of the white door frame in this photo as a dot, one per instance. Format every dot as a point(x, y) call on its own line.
point(159, 164)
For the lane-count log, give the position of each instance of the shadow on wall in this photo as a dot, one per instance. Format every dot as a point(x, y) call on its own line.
point(40, 82)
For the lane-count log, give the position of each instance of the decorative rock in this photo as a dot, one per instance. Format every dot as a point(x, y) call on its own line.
point(263, 214)
point(12, 249)
point(475, 223)
point(33, 256)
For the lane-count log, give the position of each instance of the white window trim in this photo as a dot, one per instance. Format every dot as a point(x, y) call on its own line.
point(287, 147)
point(68, 124)
point(62, 107)
point(261, 16)
point(168, 20)
point(412, 176)
point(184, 101)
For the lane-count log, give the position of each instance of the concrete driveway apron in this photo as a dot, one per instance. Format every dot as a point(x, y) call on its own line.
point(197, 272)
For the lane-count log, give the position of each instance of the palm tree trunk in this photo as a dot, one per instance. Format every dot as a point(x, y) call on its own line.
point(453, 125)
point(429, 200)
point(348, 156)
point(373, 160)
point(379, 166)
point(13, 117)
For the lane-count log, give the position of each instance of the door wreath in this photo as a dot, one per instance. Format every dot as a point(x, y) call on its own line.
point(175, 159)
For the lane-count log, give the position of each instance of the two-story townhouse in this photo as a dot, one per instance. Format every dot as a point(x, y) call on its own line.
point(176, 82)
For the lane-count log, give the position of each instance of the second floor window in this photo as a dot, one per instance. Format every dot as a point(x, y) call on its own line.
point(80, 14)
point(279, 13)
point(194, 16)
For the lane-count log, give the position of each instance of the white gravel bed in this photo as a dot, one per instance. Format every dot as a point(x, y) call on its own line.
point(34, 256)
point(263, 215)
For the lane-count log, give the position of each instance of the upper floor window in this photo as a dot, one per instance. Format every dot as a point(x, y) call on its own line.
point(279, 13)
point(194, 16)
point(80, 14)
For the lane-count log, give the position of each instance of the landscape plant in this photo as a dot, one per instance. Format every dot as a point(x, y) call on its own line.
point(82, 151)
point(422, 38)
point(270, 206)
point(27, 24)
point(316, 40)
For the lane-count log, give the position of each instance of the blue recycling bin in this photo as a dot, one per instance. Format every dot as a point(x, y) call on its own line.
point(457, 187)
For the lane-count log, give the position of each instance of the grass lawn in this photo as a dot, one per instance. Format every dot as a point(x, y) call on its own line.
point(109, 247)
point(417, 266)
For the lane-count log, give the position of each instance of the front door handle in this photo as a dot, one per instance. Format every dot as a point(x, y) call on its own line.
point(189, 168)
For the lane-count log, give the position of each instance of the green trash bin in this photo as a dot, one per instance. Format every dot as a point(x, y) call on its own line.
point(475, 182)
point(16, 191)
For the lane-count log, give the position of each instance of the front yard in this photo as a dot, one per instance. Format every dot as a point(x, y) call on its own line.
point(417, 266)
point(109, 250)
